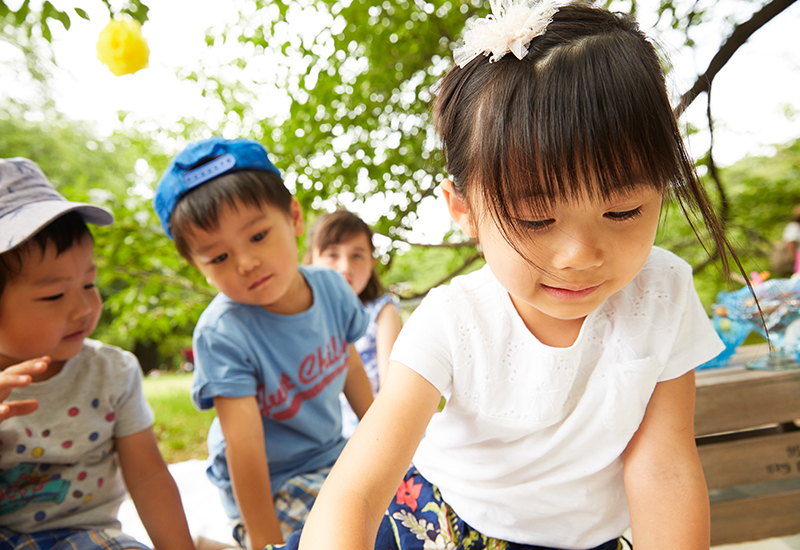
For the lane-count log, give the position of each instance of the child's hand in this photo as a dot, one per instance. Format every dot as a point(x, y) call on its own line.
point(17, 376)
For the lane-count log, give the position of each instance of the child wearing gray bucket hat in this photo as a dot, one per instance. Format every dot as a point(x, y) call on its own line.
point(72, 412)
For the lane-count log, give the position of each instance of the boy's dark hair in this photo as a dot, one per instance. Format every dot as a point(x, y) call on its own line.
point(585, 111)
point(63, 233)
point(335, 228)
point(201, 206)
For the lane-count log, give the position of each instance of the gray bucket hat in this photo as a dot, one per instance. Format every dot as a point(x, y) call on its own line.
point(28, 202)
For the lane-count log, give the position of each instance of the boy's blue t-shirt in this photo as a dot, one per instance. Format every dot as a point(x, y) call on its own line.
point(295, 365)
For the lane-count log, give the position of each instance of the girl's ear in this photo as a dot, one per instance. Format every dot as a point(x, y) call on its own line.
point(459, 210)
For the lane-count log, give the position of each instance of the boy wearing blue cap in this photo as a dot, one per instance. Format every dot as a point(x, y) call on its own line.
point(273, 350)
point(74, 415)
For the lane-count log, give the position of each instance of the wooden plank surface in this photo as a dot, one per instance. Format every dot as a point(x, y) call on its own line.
point(770, 457)
point(755, 518)
point(737, 398)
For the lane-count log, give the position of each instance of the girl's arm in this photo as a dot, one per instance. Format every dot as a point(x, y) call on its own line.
point(664, 480)
point(246, 454)
point(363, 481)
point(153, 491)
point(388, 322)
point(357, 389)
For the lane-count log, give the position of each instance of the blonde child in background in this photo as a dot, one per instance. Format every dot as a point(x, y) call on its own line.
point(567, 361)
point(75, 420)
point(342, 241)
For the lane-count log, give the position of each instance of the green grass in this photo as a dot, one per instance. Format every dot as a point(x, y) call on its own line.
point(180, 428)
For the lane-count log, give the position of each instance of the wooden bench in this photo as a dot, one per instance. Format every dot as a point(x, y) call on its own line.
point(749, 445)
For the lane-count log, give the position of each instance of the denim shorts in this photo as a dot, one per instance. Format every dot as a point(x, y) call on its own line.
point(69, 539)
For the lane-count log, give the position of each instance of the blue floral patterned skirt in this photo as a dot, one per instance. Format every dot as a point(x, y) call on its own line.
point(418, 519)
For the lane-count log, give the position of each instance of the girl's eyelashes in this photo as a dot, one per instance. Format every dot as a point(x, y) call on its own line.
point(89, 286)
point(536, 225)
point(625, 215)
point(618, 216)
point(258, 236)
point(52, 298)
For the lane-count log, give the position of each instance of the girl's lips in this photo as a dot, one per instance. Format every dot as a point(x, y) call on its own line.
point(569, 294)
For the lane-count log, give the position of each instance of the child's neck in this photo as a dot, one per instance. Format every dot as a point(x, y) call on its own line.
point(550, 331)
point(52, 369)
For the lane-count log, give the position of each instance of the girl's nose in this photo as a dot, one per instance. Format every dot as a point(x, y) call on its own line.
point(578, 250)
point(343, 266)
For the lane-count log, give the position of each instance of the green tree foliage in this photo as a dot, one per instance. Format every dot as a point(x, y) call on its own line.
point(339, 91)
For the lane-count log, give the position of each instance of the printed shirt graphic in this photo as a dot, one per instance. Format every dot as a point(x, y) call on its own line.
point(57, 465)
point(295, 365)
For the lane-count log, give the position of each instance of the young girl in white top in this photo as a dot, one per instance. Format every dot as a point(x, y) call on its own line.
point(342, 241)
point(567, 362)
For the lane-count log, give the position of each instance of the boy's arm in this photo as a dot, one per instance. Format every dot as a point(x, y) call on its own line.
point(18, 376)
point(664, 480)
point(246, 454)
point(153, 491)
point(357, 389)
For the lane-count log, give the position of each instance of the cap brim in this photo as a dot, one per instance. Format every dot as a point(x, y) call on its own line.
point(19, 226)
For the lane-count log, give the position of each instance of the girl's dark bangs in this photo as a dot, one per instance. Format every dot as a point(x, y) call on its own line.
point(594, 134)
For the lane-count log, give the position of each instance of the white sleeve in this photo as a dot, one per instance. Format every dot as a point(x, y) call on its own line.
point(696, 340)
point(424, 345)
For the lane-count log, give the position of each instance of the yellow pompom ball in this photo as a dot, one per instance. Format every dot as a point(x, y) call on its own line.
point(122, 48)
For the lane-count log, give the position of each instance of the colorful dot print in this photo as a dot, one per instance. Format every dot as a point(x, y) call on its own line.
point(28, 432)
point(67, 444)
point(95, 402)
point(73, 411)
point(100, 482)
point(93, 436)
point(37, 452)
point(110, 417)
point(44, 467)
point(77, 494)
point(45, 433)
point(81, 476)
point(39, 516)
point(20, 449)
point(87, 498)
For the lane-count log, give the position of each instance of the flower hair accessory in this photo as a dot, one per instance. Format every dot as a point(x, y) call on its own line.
point(510, 28)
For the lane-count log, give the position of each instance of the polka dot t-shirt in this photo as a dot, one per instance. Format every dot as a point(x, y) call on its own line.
point(58, 467)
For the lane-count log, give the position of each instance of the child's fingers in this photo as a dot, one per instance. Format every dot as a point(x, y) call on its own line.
point(33, 366)
point(17, 408)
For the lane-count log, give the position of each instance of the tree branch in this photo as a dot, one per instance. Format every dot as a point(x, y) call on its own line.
point(468, 262)
point(737, 38)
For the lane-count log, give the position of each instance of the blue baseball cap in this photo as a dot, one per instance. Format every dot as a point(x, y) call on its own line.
point(202, 161)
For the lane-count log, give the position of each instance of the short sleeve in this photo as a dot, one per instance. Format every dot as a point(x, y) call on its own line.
point(132, 412)
point(222, 368)
point(696, 341)
point(424, 344)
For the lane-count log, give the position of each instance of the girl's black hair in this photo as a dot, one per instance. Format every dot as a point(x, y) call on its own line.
point(201, 206)
point(336, 227)
point(63, 233)
point(584, 113)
